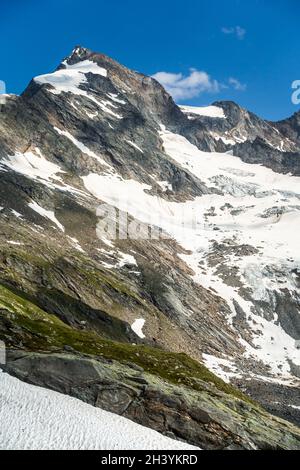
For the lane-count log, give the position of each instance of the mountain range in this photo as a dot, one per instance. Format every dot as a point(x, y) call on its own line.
point(149, 256)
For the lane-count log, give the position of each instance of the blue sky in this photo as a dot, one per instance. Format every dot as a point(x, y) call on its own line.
point(242, 50)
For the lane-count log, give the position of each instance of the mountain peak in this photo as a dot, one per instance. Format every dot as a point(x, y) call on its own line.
point(80, 50)
point(78, 53)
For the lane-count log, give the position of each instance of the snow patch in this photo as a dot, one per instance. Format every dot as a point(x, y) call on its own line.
point(210, 111)
point(223, 368)
point(134, 145)
point(76, 244)
point(33, 165)
point(16, 214)
point(47, 214)
point(69, 79)
point(114, 97)
point(137, 327)
point(125, 258)
point(165, 185)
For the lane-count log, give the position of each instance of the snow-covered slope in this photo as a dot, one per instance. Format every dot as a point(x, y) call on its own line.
point(255, 220)
point(209, 111)
point(254, 215)
point(35, 418)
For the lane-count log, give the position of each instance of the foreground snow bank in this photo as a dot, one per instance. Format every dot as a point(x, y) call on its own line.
point(36, 418)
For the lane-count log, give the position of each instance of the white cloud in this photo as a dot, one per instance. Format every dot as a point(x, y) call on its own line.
point(236, 84)
point(182, 87)
point(238, 31)
point(190, 86)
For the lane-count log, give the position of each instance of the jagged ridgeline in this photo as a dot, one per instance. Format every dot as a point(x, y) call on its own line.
point(149, 258)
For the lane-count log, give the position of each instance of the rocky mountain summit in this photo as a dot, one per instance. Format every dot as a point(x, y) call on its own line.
point(149, 260)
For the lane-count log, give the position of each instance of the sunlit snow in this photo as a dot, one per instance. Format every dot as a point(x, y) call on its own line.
point(33, 165)
point(210, 111)
point(46, 213)
point(135, 146)
point(70, 78)
point(137, 327)
point(255, 207)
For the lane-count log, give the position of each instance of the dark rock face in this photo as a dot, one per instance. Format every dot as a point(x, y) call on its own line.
point(290, 127)
point(112, 122)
